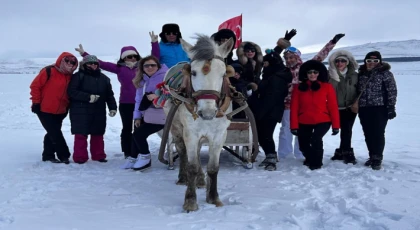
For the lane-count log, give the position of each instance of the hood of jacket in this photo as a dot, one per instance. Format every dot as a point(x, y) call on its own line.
point(385, 66)
point(243, 59)
point(332, 70)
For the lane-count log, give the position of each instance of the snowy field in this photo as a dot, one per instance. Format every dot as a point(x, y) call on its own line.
point(45, 196)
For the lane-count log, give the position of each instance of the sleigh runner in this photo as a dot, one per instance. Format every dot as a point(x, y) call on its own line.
point(241, 137)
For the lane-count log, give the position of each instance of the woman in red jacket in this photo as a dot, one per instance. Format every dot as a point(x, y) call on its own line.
point(312, 111)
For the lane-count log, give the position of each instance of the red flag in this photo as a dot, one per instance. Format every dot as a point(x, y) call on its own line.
point(234, 24)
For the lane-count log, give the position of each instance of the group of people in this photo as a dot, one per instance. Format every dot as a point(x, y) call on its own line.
point(305, 97)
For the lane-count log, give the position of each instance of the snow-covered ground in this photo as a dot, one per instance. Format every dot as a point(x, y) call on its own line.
point(44, 196)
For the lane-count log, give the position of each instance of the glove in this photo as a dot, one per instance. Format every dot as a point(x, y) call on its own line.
point(112, 113)
point(93, 98)
point(153, 37)
point(249, 92)
point(36, 108)
point(337, 37)
point(80, 50)
point(137, 123)
point(290, 35)
point(335, 132)
point(294, 132)
point(391, 112)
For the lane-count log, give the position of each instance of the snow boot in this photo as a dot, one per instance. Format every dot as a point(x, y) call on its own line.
point(338, 155)
point(129, 163)
point(144, 161)
point(271, 160)
point(348, 157)
point(368, 163)
point(376, 164)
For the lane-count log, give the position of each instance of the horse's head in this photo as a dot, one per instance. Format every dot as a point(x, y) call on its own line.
point(207, 71)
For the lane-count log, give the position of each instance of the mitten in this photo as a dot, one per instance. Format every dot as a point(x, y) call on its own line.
point(391, 112)
point(80, 50)
point(112, 113)
point(337, 37)
point(294, 132)
point(93, 98)
point(36, 108)
point(335, 132)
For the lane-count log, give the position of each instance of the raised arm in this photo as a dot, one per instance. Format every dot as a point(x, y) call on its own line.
point(155, 45)
point(107, 66)
point(323, 53)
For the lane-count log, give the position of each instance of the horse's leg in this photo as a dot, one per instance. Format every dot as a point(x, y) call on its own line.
point(183, 162)
point(190, 202)
point(201, 178)
point(212, 196)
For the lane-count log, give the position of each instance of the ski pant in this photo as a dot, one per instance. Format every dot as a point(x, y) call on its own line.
point(54, 141)
point(347, 118)
point(97, 148)
point(140, 135)
point(310, 142)
point(265, 130)
point(286, 138)
point(374, 121)
point(126, 113)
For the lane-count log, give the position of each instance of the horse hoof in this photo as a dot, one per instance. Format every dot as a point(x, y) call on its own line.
point(181, 182)
point(216, 202)
point(190, 207)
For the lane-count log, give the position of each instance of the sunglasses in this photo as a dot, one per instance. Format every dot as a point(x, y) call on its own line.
point(313, 72)
point(92, 63)
point(171, 33)
point(149, 65)
point(131, 56)
point(340, 61)
point(250, 51)
point(372, 60)
point(70, 61)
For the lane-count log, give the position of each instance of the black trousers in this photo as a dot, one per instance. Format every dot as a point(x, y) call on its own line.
point(374, 121)
point(310, 142)
point(140, 135)
point(265, 129)
point(54, 141)
point(126, 113)
point(347, 118)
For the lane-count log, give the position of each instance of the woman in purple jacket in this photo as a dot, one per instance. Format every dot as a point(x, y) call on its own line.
point(125, 69)
point(148, 119)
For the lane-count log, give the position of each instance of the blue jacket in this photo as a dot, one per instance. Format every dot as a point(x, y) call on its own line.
point(171, 54)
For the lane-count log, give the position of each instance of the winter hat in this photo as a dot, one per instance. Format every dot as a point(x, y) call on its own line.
point(375, 54)
point(90, 58)
point(129, 50)
point(343, 57)
point(224, 34)
point(170, 27)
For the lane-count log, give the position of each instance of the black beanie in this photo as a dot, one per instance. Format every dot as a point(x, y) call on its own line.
point(375, 54)
point(249, 46)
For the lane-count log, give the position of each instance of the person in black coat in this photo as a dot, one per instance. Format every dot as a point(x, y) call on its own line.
point(89, 92)
point(267, 101)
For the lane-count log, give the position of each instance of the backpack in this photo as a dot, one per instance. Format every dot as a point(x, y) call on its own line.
point(48, 70)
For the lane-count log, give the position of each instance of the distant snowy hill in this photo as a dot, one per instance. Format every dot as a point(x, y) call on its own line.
point(397, 49)
point(409, 48)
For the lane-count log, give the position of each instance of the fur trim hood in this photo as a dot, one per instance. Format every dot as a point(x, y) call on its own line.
point(332, 70)
point(385, 66)
point(315, 65)
point(241, 53)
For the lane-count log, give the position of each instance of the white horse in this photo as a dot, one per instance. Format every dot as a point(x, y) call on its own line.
point(201, 117)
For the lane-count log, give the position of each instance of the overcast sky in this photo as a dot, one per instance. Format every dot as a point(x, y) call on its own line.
point(45, 28)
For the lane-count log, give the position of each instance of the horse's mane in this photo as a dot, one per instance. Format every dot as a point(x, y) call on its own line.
point(204, 49)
